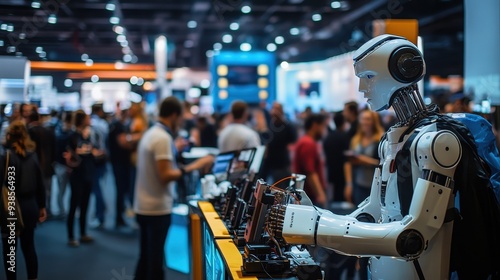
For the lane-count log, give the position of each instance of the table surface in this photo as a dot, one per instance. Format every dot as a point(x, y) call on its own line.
point(217, 227)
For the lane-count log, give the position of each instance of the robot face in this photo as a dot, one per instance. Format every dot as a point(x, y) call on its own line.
point(382, 67)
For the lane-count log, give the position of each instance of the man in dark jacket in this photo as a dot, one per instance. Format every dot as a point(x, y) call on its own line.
point(45, 140)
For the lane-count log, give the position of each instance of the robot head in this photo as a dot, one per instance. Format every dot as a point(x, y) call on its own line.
point(384, 65)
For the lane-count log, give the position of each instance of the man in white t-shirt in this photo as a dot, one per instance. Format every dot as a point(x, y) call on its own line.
point(236, 135)
point(157, 172)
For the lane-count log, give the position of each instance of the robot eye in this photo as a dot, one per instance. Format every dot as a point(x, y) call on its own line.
point(369, 76)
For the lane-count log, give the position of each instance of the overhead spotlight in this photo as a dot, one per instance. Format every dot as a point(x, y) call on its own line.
point(279, 40)
point(94, 78)
point(52, 19)
point(1, 43)
point(39, 49)
point(245, 47)
point(110, 7)
point(42, 54)
point(68, 83)
point(234, 26)
point(246, 9)
point(284, 65)
point(336, 5)
point(271, 47)
point(209, 53)
point(204, 83)
point(134, 80)
point(148, 86)
point(3, 26)
point(89, 62)
point(227, 38)
point(84, 56)
point(35, 5)
point(317, 17)
point(217, 46)
point(118, 29)
point(124, 44)
point(10, 28)
point(22, 36)
point(127, 58)
point(192, 24)
point(294, 31)
point(114, 20)
point(140, 81)
point(121, 38)
point(135, 59)
point(126, 50)
point(11, 49)
point(119, 65)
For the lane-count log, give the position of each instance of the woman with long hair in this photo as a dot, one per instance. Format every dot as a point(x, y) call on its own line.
point(29, 192)
point(361, 162)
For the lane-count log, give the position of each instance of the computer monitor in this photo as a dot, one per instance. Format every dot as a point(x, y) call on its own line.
point(240, 165)
point(221, 165)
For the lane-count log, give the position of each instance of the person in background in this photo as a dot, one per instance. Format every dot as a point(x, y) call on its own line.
point(334, 147)
point(307, 159)
point(281, 134)
point(351, 116)
point(138, 125)
point(157, 172)
point(45, 140)
point(119, 155)
point(363, 158)
point(206, 133)
point(30, 194)
point(61, 169)
point(459, 103)
point(81, 179)
point(237, 135)
point(99, 135)
point(25, 109)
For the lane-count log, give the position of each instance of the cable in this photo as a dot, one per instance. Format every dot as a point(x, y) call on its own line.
point(274, 240)
point(281, 180)
point(273, 186)
point(262, 265)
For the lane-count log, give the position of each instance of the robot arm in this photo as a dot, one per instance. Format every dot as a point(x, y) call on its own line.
point(438, 154)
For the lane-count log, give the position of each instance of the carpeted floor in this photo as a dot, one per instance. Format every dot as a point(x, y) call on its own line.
point(112, 256)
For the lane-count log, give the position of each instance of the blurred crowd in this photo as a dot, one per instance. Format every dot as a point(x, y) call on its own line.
point(337, 151)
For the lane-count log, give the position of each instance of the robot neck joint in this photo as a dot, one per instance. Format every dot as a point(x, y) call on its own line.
point(408, 105)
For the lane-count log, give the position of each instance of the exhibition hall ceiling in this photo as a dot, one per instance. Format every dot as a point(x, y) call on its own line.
point(296, 30)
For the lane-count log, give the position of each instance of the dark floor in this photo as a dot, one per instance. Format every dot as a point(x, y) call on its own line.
point(112, 256)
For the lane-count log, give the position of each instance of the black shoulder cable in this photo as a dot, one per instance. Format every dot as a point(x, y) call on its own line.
point(418, 269)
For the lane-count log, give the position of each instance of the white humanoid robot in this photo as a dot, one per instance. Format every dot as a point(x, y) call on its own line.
point(411, 244)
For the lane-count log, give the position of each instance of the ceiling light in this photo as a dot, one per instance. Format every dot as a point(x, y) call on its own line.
point(279, 40)
point(148, 86)
point(10, 28)
point(3, 26)
point(127, 58)
point(124, 44)
point(35, 5)
point(336, 4)
point(22, 36)
point(284, 64)
point(1, 43)
point(140, 81)
point(204, 83)
point(209, 53)
point(126, 50)
point(89, 62)
point(294, 31)
point(68, 83)
point(217, 46)
point(110, 7)
point(245, 47)
point(271, 47)
point(19, 54)
point(234, 26)
point(11, 49)
point(39, 49)
point(134, 80)
point(227, 38)
point(192, 24)
point(94, 78)
point(293, 51)
point(119, 65)
point(84, 56)
point(118, 29)
point(121, 38)
point(317, 17)
point(114, 20)
point(246, 9)
point(135, 59)
point(52, 19)
point(43, 54)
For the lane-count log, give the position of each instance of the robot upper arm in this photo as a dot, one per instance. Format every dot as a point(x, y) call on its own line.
point(438, 154)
